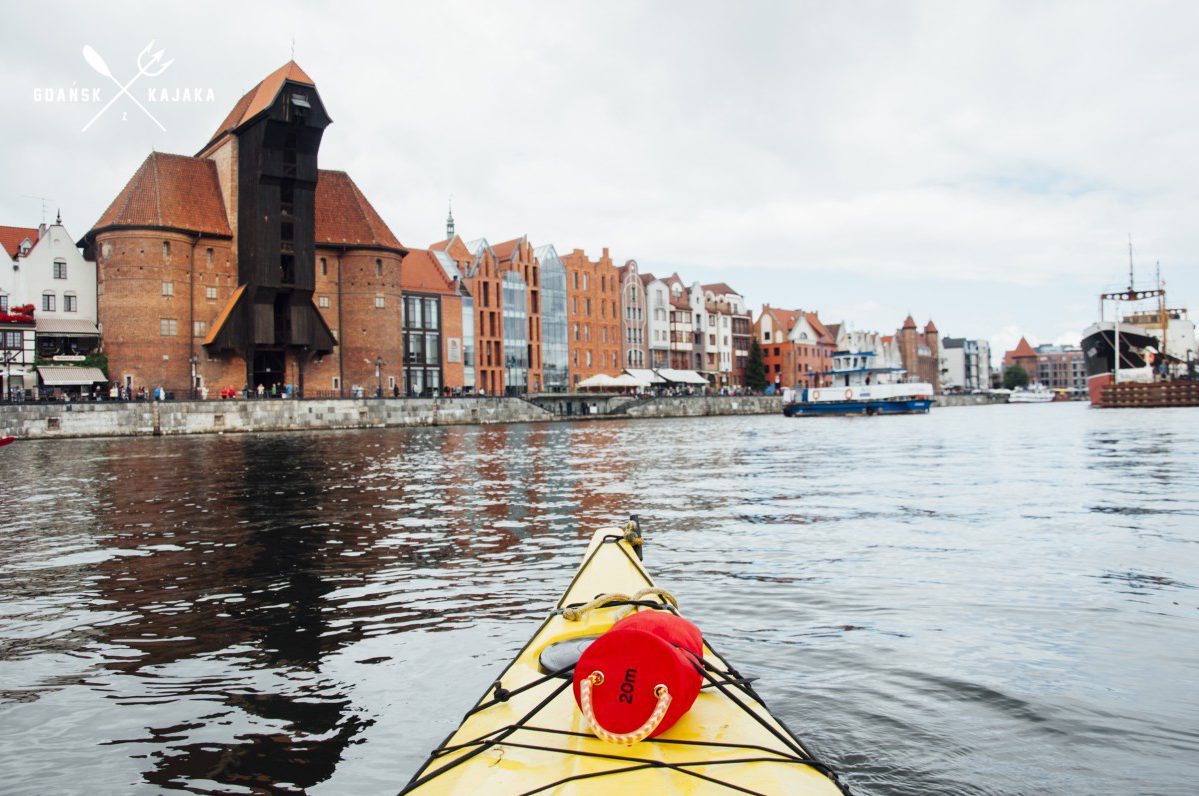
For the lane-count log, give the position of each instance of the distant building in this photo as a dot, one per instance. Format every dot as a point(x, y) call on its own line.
point(432, 325)
point(797, 348)
point(49, 271)
point(1023, 355)
point(657, 326)
point(593, 316)
point(634, 337)
point(247, 264)
point(520, 277)
point(555, 319)
point(966, 364)
point(920, 352)
point(1061, 367)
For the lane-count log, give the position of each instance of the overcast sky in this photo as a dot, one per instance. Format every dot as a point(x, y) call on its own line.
point(981, 164)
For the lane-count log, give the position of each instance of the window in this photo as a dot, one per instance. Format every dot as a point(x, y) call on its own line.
point(3, 303)
point(588, 307)
point(210, 293)
point(379, 303)
point(323, 302)
point(168, 327)
point(584, 281)
point(11, 340)
point(588, 359)
point(336, 383)
point(168, 288)
point(199, 328)
point(378, 268)
point(60, 269)
point(166, 250)
point(287, 269)
point(48, 302)
point(324, 267)
point(70, 303)
point(208, 257)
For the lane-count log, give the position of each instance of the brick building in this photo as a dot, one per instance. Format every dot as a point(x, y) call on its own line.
point(920, 352)
point(520, 278)
point(797, 348)
point(593, 306)
point(432, 325)
point(1023, 355)
point(1057, 367)
point(247, 264)
point(484, 349)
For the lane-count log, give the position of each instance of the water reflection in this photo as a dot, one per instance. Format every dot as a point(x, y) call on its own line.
point(955, 603)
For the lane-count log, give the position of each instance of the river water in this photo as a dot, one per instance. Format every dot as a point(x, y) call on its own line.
point(982, 600)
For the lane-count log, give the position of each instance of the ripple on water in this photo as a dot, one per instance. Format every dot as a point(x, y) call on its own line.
point(994, 600)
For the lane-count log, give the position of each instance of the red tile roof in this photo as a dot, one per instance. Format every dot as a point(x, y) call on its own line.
point(647, 278)
point(908, 323)
point(1022, 349)
point(421, 273)
point(817, 326)
point(11, 237)
point(172, 192)
point(784, 318)
point(261, 97)
point(503, 251)
point(345, 218)
point(929, 327)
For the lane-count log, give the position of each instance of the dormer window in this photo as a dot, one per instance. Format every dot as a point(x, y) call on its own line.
point(26, 245)
point(300, 101)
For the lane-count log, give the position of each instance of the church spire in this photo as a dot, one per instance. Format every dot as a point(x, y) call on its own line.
point(449, 221)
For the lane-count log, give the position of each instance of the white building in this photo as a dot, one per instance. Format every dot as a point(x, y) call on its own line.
point(46, 269)
point(658, 307)
point(965, 365)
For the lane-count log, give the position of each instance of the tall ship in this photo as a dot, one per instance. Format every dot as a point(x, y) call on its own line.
point(1145, 354)
point(856, 385)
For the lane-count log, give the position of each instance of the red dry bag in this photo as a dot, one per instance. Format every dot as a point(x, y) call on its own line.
point(636, 680)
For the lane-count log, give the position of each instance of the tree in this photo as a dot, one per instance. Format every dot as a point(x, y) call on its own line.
point(1014, 377)
point(755, 368)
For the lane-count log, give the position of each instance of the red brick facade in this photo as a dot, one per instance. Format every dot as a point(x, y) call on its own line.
point(593, 314)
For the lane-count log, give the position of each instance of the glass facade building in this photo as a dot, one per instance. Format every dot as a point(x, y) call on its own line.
point(468, 343)
point(422, 344)
point(516, 333)
point(555, 353)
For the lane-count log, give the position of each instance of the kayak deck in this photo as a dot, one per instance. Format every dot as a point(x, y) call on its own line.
point(526, 735)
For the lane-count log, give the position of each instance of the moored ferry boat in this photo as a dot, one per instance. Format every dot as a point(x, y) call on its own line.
point(855, 386)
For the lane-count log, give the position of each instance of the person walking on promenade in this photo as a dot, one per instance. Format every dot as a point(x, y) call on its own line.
point(261, 391)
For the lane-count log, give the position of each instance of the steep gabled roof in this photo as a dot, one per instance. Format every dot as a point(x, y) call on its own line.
point(1022, 349)
point(420, 272)
point(506, 250)
point(170, 192)
point(344, 217)
point(11, 238)
point(261, 97)
point(909, 323)
point(647, 278)
point(818, 327)
point(784, 318)
point(930, 327)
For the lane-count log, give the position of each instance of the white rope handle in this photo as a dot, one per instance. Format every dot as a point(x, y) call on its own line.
point(629, 738)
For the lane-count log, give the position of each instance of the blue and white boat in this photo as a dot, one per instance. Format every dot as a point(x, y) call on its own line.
point(856, 386)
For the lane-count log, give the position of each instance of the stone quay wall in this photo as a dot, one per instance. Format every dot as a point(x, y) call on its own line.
point(693, 406)
point(968, 400)
point(138, 418)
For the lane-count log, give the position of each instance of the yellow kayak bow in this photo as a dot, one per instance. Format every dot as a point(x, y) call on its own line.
point(527, 736)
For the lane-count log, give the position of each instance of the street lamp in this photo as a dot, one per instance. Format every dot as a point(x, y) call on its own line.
point(379, 376)
point(193, 360)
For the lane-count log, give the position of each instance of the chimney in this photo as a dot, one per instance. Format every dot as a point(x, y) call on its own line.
point(605, 252)
point(41, 230)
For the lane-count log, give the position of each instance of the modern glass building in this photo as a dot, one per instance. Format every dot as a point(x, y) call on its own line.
point(555, 353)
point(516, 333)
point(468, 344)
point(422, 344)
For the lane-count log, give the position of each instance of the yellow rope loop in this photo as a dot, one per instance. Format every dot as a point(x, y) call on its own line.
point(596, 678)
point(577, 613)
point(630, 534)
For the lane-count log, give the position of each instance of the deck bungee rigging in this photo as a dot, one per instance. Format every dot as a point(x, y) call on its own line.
point(617, 690)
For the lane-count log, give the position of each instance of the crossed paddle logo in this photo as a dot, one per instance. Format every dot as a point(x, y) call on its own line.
point(148, 65)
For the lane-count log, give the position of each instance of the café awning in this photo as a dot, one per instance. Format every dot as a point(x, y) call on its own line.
point(67, 327)
point(682, 376)
point(70, 376)
point(645, 375)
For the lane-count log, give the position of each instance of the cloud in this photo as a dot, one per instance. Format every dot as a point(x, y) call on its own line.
point(980, 163)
